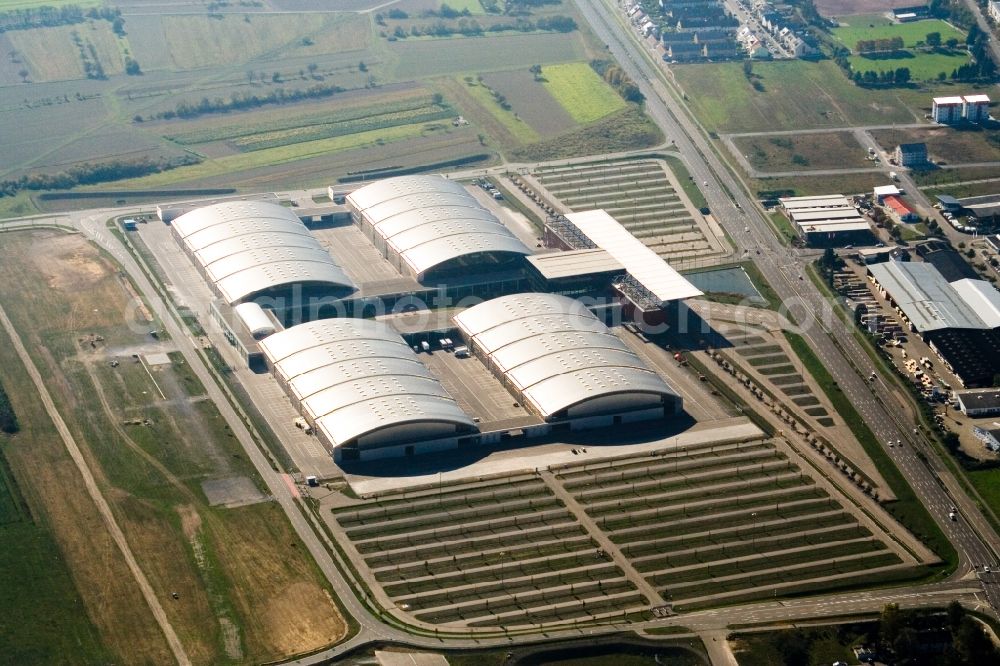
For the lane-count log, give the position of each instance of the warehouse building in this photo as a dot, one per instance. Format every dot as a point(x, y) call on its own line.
point(562, 363)
point(959, 320)
point(429, 227)
point(826, 221)
point(363, 390)
point(979, 403)
point(248, 250)
point(898, 210)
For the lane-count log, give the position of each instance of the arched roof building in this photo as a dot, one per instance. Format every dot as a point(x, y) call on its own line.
point(361, 386)
point(247, 248)
point(560, 359)
point(429, 225)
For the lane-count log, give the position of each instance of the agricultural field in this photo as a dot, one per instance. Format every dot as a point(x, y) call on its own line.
point(829, 150)
point(868, 27)
point(196, 42)
point(581, 92)
point(51, 54)
point(923, 66)
point(948, 145)
point(414, 60)
point(797, 95)
point(487, 98)
point(532, 102)
point(273, 128)
point(247, 589)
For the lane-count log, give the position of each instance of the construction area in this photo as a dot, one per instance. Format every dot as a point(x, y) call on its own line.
point(646, 198)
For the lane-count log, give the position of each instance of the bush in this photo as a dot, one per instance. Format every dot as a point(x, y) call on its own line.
point(8, 419)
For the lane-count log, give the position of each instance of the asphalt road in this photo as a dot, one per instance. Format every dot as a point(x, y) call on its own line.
point(935, 486)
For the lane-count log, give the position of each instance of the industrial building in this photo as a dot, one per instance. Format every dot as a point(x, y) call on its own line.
point(255, 249)
point(898, 210)
point(430, 228)
point(363, 390)
point(981, 402)
point(949, 262)
point(983, 207)
point(560, 361)
point(960, 320)
point(826, 221)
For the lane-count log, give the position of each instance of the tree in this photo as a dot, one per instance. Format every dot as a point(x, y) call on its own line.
point(747, 69)
point(362, 67)
point(276, 77)
point(903, 75)
point(23, 73)
point(933, 39)
point(132, 67)
point(536, 71)
point(312, 67)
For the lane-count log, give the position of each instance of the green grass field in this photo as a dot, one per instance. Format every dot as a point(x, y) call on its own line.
point(923, 66)
point(473, 6)
point(987, 484)
point(797, 95)
point(869, 27)
point(803, 151)
point(581, 92)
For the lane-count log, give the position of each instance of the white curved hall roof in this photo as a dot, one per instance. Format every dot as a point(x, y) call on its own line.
point(247, 247)
point(430, 221)
point(556, 352)
point(355, 377)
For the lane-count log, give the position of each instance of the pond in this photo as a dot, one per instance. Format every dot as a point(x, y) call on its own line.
point(732, 280)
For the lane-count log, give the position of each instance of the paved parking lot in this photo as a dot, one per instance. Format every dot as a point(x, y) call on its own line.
point(362, 262)
point(475, 388)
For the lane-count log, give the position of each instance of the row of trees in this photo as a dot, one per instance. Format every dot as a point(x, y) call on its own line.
point(47, 16)
point(618, 79)
point(240, 101)
point(881, 45)
point(472, 27)
point(893, 77)
point(91, 174)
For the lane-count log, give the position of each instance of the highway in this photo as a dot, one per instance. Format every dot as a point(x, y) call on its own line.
point(877, 402)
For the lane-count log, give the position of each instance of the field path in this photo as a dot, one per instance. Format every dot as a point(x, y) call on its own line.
point(95, 493)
